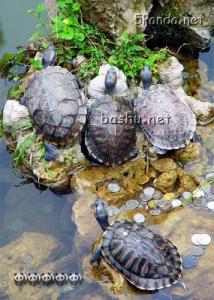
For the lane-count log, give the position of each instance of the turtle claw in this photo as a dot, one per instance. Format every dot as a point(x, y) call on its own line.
point(51, 152)
point(196, 138)
point(23, 101)
point(133, 154)
point(79, 83)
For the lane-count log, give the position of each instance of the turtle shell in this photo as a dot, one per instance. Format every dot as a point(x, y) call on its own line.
point(167, 122)
point(144, 258)
point(110, 130)
point(56, 105)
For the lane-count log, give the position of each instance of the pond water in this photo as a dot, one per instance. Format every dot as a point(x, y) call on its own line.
point(24, 208)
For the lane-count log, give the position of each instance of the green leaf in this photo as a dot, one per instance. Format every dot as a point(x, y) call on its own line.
point(40, 8)
point(76, 6)
point(35, 36)
point(36, 63)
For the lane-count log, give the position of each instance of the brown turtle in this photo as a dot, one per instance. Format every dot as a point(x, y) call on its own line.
point(110, 130)
point(167, 122)
point(144, 258)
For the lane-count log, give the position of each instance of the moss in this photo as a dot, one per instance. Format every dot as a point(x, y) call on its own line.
point(172, 11)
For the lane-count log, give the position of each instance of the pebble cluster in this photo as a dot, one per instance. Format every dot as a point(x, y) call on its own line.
point(200, 241)
point(152, 200)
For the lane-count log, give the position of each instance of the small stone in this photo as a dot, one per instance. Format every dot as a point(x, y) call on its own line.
point(131, 204)
point(157, 195)
point(113, 187)
point(210, 205)
point(195, 239)
point(139, 218)
point(26, 258)
point(167, 206)
point(110, 211)
point(152, 204)
point(155, 212)
point(187, 195)
point(148, 193)
point(189, 261)
point(171, 196)
point(199, 202)
point(176, 203)
point(160, 203)
point(204, 239)
point(197, 251)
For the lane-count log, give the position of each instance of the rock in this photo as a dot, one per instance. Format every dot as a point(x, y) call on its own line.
point(96, 87)
point(203, 110)
point(14, 113)
point(122, 16)
point(192, 28)
point(171, 196)
point(164, 165)
point(187, 183)
point(166, 181)
point(189, 261)
point(78, 61)
point(190, 152)
point(130, 176)
point(31, 251)
point(51, 8)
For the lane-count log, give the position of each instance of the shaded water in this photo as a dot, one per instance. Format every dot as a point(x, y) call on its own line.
point(23, 208)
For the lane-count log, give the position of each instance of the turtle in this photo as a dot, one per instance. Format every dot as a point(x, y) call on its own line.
point(144, 258)
point(166, 120)
point(110, 135)
point(56, 104)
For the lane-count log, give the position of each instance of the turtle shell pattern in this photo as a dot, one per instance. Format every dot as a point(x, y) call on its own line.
point(144, 258)
point(56, 105)
point(110, 141)
point(159, 101)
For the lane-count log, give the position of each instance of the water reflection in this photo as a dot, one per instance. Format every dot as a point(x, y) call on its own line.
point(1, 36)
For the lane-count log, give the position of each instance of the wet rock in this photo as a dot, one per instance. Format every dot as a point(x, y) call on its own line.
point(118, 18)
point(190, 152)
point(14, 113)
point(130, 177)
point(31, 251)
point(166, 181)
point(186, 182)
point(164, 165)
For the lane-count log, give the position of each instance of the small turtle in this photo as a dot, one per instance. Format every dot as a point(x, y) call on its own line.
point(56, 104)
point(110, 131)
point(144, 258)
point(167, 122)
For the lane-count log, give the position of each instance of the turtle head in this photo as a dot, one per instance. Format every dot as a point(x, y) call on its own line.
point(49, 58)
point(110, 81)
point(101, 214)
point(146, 77)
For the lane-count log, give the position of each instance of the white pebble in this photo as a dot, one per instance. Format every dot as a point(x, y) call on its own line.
point(201, 239)
point(204, 239)
point(210, 205)
point(195, 239)
point(187, 195)
point(176, 203)
point(113, 187)
point(139, 218)
point(148, 193)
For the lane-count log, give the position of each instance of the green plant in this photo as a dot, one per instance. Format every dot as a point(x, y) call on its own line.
point(36, 63)
point(22, 148)
point(15, 92)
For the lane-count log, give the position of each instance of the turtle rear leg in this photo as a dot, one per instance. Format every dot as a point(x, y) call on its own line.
point(196, 138)
point(159, 150)
point(51, 152)
point(96, 256)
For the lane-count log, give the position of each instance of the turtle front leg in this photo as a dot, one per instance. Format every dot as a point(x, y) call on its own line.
point(79, 83)
point(134, 153)
point(96, 256)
